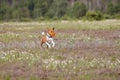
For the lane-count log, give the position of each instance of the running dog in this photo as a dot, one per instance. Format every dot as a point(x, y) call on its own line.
point(47, 38)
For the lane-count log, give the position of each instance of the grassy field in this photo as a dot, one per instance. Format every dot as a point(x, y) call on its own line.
point(84, 51)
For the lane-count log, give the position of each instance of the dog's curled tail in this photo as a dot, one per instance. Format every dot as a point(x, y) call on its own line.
point(43, 33)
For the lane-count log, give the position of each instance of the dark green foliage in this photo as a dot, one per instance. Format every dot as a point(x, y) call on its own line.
point(31, 6)
point(40, 8)
point(5, 11)
point(23, 10)
point(94, 15)
point(113, 9)
point(57, 9)
point(107, 16)
point(78, 10)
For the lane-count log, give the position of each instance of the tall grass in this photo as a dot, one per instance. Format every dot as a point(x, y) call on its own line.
point(75, 24)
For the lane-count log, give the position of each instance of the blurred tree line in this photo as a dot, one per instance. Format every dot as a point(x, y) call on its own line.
point(23, 10)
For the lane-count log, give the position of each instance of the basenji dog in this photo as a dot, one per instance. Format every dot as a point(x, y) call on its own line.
point(47, 38)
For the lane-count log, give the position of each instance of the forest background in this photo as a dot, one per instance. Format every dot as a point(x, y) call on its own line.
point(29, 10)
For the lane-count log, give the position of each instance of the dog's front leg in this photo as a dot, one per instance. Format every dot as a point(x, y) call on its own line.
point(48, 45)
point(53, 43)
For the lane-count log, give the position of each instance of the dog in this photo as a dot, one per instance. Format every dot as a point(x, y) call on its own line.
point(47, 38)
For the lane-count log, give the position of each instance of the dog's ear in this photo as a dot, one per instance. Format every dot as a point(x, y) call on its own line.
point(53, 28)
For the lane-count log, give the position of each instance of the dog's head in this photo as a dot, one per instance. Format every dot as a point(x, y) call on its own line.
point(51, 32)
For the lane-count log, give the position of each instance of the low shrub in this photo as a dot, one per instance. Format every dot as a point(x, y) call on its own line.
point(107, 16)
point(94, 15)
point(25, 19)
point(116, 16)
point(65, 17)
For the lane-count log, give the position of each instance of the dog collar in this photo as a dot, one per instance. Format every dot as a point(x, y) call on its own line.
point(49, 35)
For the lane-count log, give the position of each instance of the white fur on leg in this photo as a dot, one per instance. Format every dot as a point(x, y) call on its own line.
point(53, 43)
point(48, 44)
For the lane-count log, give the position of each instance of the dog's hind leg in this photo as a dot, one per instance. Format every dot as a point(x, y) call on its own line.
point(41, 43)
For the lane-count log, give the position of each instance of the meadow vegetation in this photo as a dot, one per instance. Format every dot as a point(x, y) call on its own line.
point(84, 50)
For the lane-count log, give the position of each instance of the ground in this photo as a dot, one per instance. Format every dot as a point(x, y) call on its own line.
point(84, 50)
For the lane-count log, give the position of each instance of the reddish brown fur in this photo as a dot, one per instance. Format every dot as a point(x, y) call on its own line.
point(50, 32)
point(43, 39)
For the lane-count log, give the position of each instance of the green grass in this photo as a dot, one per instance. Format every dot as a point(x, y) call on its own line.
point(24, 30)
point(20, 26)
point(77, 55)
